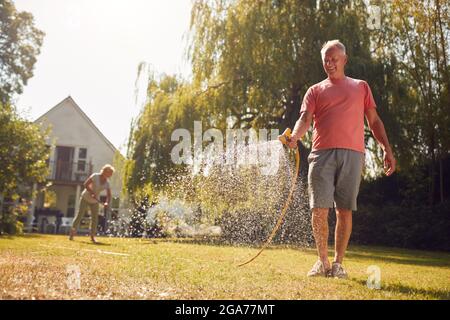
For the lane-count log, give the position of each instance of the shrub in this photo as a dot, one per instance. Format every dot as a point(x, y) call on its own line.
point(420, 227)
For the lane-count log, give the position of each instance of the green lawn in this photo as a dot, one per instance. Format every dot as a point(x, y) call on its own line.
point(38, 266)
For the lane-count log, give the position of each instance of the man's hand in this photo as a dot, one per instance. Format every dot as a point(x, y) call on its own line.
point(389, 162)
point(378, 131)
point(106, 204)
point(292, 143)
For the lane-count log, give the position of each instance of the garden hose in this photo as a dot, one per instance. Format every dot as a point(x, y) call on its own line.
point(284, 140)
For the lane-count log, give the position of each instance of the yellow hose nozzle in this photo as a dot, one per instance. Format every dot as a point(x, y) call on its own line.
point(285, 136)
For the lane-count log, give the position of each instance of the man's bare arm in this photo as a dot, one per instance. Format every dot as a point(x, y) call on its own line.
point(379, 132)
point(301, 127)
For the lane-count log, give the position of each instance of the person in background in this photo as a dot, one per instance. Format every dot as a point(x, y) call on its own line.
point(89, 199)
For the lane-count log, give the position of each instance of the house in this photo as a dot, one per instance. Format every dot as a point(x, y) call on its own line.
point(77, 149)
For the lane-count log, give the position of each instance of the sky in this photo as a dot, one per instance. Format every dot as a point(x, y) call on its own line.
point(92, 49)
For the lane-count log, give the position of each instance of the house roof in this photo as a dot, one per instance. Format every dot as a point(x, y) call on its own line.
point(81, 112)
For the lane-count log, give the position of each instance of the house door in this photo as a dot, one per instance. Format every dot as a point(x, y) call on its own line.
point(64, 163)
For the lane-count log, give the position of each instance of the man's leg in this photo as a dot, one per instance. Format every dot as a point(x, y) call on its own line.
point(342, 233)
point(320, 230)
point(322, 168)
point(350, 165)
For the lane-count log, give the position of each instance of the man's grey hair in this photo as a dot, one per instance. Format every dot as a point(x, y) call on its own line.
point(330, 44)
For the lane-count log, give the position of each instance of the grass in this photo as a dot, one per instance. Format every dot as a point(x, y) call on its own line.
point(38, 267)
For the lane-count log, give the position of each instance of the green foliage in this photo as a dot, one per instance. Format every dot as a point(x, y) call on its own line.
point(23, 152)
point(20, 43)
point(138, 222)
point(420, 227)
point(11, 219)
point(118, 163)
point(413, 43)
point(394, 211)
point(23, 158)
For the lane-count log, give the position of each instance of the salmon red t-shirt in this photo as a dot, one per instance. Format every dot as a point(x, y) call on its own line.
point(338, 108)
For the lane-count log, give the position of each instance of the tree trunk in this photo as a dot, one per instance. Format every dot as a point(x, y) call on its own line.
point(432, 175)
point(1, 213)
point(441, 179)
point(443, 48)
point(292, 108)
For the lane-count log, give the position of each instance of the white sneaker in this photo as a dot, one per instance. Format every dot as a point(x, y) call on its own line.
point(318, 270)
point(338, 271)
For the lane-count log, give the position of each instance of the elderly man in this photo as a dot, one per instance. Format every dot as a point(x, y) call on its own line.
point(338, 105)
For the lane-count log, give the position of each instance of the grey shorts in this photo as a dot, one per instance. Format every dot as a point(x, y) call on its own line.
point(334, 177)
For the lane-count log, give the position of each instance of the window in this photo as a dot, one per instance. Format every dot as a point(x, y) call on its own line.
point(81, 165)
point(82, 153)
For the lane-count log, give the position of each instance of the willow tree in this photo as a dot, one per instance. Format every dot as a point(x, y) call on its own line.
point(261, 56)
point(171, 104)
point(416, 37)
point(257, 58)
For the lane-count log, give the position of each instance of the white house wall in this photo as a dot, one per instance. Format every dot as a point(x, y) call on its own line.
point(71, 129)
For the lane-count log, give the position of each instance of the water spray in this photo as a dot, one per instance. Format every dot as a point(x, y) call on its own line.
point(284, 139)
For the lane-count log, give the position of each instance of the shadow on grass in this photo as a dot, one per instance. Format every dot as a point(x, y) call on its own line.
point(402, 289)
point(7, 237)
point(102, 244)
point(406, 258)
point(23, 236)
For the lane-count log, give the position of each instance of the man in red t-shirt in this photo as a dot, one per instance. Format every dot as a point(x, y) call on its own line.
point(338, 105)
